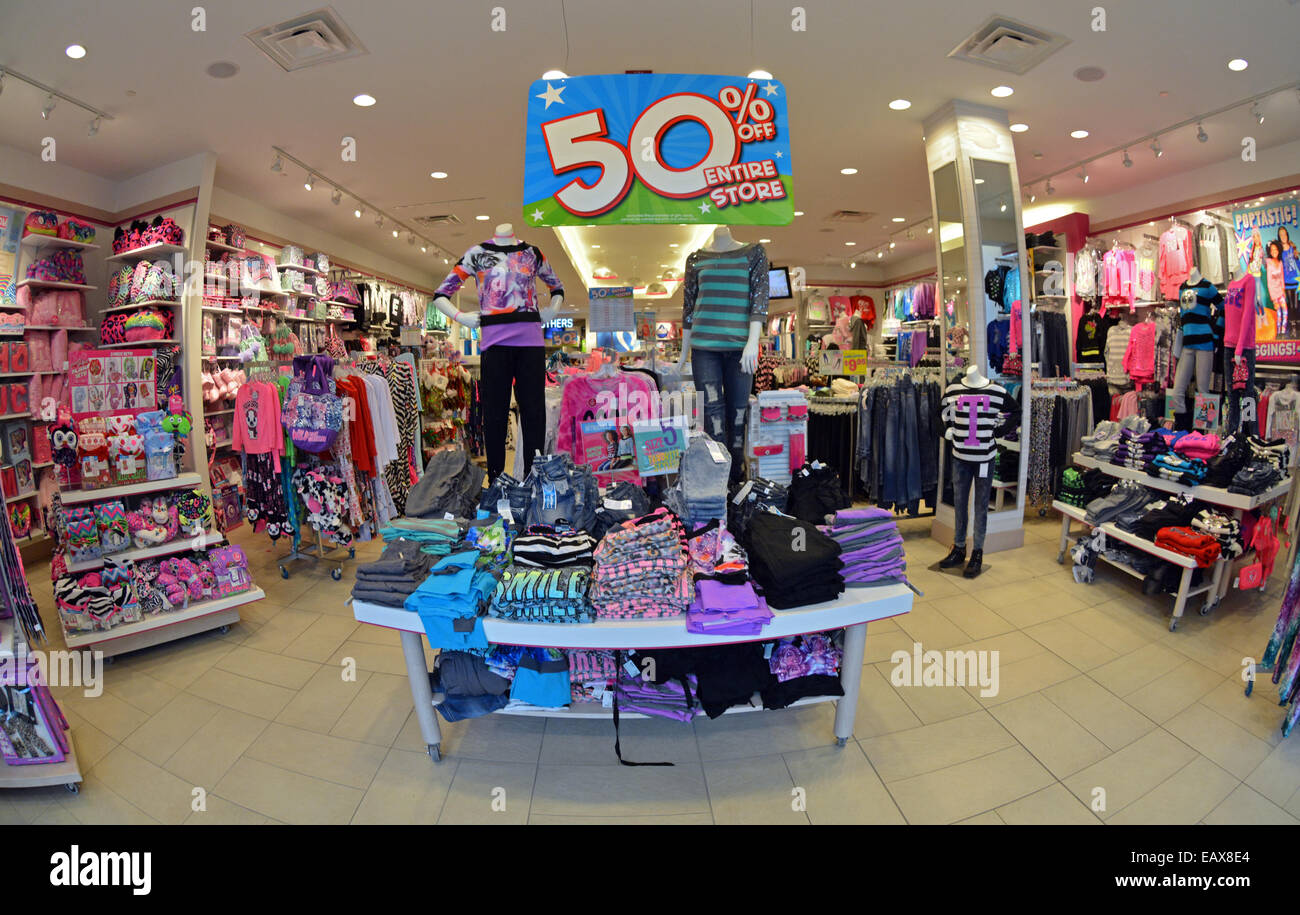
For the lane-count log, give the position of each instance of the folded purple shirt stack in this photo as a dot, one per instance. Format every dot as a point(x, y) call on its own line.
point(871, 547)
point(727, 609)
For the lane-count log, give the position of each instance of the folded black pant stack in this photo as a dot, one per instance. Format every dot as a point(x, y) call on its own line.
point(396, 574)
point(793, 562)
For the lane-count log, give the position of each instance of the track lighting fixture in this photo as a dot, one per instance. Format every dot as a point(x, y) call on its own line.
point(277, 165)
point(424, 249)
point(336, 197)
point(1003, 208)
point(1128, 162)
point(853, 265)
point(1083, 174)
point(1256, 113)
point(1201, 135)
point(311, 179)
point(880, 253)
point(410, 239)
point(379, 221)
point(395, 233)
point(1155, 148)
point(1050, 190)
point(49, 106)
point(2, 82)
point(358, 211)
point(1032, 195)
point(93, 128)
point(892, 244)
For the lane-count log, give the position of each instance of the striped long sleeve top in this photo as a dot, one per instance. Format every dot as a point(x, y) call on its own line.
point(723, 292)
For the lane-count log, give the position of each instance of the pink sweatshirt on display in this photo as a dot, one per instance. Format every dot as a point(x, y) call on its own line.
point(257, 427)
point(1239, 315)
point(1175, 261)
point(1140, 357)
point(1198, 445)
point(1017, 332)
point(628, 397)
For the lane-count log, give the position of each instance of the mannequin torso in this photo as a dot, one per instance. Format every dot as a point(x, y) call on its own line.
point(722, 242)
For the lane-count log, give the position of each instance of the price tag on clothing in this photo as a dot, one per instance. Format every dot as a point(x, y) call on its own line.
point(717, 452)
point(448, 516)
point(607, 699)
point(984, 469)
point(503, 509)
point(631, 669)
point(744, 491)
point(767, 650)
point(617, 505)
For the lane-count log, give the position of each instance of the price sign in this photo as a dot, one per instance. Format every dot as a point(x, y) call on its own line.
point(855, 362)
point(659, 445)
point(622, 149)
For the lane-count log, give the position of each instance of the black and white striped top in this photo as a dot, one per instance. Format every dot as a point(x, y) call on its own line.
point(545, 548)
point(971, 419)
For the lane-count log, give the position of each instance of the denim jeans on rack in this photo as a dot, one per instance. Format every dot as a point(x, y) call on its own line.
point(1235, 398)
point(725, 388)
point(964, 474)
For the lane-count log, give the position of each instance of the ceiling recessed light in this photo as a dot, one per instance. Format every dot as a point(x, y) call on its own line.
point(929, 230)
point(363, 100)
point(555, 74)
point(1079, 134)
point(848, 171)
point(893, 245)
point(1001, 91)
point(898, 219)
point(75, 51)
point(672, 244)
point(481, 218)
point(357, 212)
point(880, 254)
point(1238, 64)
point(764, 241)
point(222, 69)
point(760, 74)
point(1089, 74)
point(900, 104)
point(850, 244)
point(595, 246)
point(424, 249)
point(979, 180)
point(394, 233)
point(798, 212)
point(438, 175)
point(1019, 128)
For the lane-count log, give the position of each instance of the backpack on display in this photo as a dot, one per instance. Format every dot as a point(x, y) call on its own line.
point(313, 413)
point(334, 347)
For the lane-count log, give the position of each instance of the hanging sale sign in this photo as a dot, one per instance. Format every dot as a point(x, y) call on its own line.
point(667, 148)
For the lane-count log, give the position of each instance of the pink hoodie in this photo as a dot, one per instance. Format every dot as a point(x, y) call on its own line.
point(1198, 445)
point(1239, 314)
point(1140, 357)
point(1175, 260)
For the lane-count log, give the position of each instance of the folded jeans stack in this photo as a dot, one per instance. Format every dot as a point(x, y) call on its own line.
point(394, 576)
point(704, 471)
point(449, 601)
point(1255, 478)
point(623, 501)
point(452, 483)
point(871, 548)
point(756, 495)
point(793, 562)
point(641, 569)
point(1124, 497)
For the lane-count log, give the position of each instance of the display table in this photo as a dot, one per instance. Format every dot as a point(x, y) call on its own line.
point(851, 612)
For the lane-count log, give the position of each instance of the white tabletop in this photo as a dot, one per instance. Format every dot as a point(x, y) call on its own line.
point(855, 605)
point(1215, 495)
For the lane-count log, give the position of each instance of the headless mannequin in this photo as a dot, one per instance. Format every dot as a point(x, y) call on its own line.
point(1190, 362)
point(725, 395)
point(969, 477)
point(504, 234)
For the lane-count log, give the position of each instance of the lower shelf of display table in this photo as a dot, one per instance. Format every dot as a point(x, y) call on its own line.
point(43, 775)
point(597, 710)
point(151, 629)
point(181, 481)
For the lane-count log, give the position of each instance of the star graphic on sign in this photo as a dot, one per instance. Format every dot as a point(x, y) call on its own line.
point(551, 95)
point(779, 154)
point(770, 88)
point(704, 207)
point(537, 215)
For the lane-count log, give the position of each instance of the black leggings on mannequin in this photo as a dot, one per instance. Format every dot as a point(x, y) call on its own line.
point(522, 368)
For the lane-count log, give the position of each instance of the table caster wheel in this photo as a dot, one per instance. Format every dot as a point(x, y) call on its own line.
point(284, 573)
point(336, 574)
point(1206, 608)
point(435, 752)
point(1060, 559)
point(1250, 687)
point(1173, 625)
point(841, 741)
point(73, 787)
point(110, 660)
point(1042, 513)
point(222, 630)
point(352, 552)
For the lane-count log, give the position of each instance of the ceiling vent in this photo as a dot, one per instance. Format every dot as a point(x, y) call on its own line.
point(318, 37)
point(849, 216)
point(1010, 46)
point(440, 219)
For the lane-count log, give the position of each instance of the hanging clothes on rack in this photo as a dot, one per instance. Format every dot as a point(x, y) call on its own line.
point(898, 438)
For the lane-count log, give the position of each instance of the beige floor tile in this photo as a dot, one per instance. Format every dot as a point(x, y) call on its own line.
point(934, 584)
point(619, 791)
point(346, 762)
point(113, 716)
point(33, 805)
point(1136, 669)
point(1208, 649)
point(590, 742)
point(1071, 644)
point(182, 662)
point(968, 788)
point(1174, 691)
point(972, 616)
point(221, 812)
point(1131, 773)
point(931, 704)
point(151, 788)
point(373, 635)
point(1219, 739)
point(1020, 678)
point(408, 788)
point(1010, 646)
point(1184, 798)
point(931, 629)
point(378, 712)
point(253, 697)
point(268, 667)
point(757, 791)
point(1247, 807)
point(1054, 738)
point(841, 786)
point(322, 638)
point(881, 710)
point(1278, 776)
point(492, 793)
point(493, 738)
point(936, 746)
point(766, 732)
point(159, 737)
point(1052, 806)
point(1034, 610)
point(881, 647)
point(384, 659)
point(90, 743)
point(988, 818)
point(1114, 634)
point(213, 749)
point(289, 797)
point(134, 686)
point(1101, 712)
point(684, 819)
point(279, 632)
point(323, 699)
point(99, 805)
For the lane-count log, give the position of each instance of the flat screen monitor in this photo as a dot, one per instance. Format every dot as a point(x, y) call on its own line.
point(778, 283)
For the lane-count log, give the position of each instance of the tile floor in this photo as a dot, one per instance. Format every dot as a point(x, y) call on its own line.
point(1096, 693)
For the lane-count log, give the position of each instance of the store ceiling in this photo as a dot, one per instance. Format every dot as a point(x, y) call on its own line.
point(450, 94)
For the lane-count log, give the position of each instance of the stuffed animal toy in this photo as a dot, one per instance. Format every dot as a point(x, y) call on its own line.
point(63, 447)
point(178, 422)
point(153, 600)
point(207, 577)
point(172, 583)
point(153, 523)
point(194, 511)
point(231, 567)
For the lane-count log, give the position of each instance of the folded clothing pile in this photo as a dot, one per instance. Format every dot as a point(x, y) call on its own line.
point(1096, 484)
point(541, 678)
point(701, 491)
point(1168, 511)
point(452, 483)
point(450, 599)
point(722, 608)
point(436, 536)
point(641, 569)
point(670, 699)
point(1124, 497)
point(1274, 451)
point(623, 501)
point(394, 576)
point(464, 673)
point(546, 547)
point(871, 548)
point(1072, 491)
point(1198, 445)
point(1256, 477)
point(1105, 438)
point(1201, 547)
point(712, 552)
point(756, 495)
point(801, 666)
point(1223, 528)
point(1224, 466)
point(793, 562)
point(591, 673)
point(536, 595)
point(1136, 450)
point(816, 493)
point(1189, 471)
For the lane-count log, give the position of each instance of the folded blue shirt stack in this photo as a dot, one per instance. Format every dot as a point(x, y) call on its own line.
point(449, 600)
